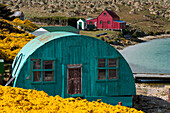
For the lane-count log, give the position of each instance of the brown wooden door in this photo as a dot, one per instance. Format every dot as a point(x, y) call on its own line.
point(74, 79)
point(104, 25)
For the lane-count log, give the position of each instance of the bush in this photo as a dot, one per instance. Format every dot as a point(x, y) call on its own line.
point(12, 39)
point(168, 32)
point(134, 35)
point(126, 31)
point(150, 33)
point(18, 100)
point(157, 33)
point(120, 34)
point(138, 34)
point(27, 25)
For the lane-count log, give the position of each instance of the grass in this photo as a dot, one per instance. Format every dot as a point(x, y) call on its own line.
point(95, 32)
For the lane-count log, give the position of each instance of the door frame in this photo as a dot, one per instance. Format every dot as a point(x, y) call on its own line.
point(69, 66)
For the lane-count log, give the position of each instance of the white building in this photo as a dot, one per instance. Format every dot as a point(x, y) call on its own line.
point(81, 24)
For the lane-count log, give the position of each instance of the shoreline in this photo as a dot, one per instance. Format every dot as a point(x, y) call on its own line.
point(143, 39)
point(147, 38)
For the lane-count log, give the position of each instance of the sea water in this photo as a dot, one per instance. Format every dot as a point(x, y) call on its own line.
point(149, 57)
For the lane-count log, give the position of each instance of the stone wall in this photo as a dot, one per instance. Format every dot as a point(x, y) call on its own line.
point(160, 90)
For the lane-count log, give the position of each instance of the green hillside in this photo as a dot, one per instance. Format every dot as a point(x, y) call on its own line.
point(147, 15)
point(142, 14)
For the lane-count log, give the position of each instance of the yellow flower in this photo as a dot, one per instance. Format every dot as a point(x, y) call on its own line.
point(18, 100)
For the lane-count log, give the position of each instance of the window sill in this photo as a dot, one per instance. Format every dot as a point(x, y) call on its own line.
point(44, 82)
point(104, 80)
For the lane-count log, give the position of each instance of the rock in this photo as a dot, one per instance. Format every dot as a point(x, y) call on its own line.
point(16, 7)
point(21, 5)
point(43, 8)
point(132, 11)
point(51, 6)
point(19, 2)
point(167, 16)
point(118, 9)
point(129, 3)
point(151, 8)
point(121, 3)
point(91, 5)
point(41, 3)
point(136, 5)
point(11, 3)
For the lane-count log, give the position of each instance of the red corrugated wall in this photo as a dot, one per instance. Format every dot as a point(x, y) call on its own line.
point(92, 21)
point(105, 17)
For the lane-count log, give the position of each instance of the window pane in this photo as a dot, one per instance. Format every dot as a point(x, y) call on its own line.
point(48, 76)
point(47, 64)
point(112, 62)
point(112, 74)
point(101, 62)
point(108, 22)
point(101, 74)
point(74, 73)
point(37, 76)
point(36, 63)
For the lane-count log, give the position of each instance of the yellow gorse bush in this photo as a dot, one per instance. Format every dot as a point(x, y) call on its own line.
point(26, 24)
point(18, 100)
point(12, 39)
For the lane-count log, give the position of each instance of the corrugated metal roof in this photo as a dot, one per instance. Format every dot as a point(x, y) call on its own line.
point(120, 21)
point(113, 14)
point(38, 33)
point(17, 13)
point(61, 28)
point(33, 45)
point(90, 18)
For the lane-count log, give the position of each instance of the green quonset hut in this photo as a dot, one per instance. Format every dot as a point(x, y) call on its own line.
point(72, 65)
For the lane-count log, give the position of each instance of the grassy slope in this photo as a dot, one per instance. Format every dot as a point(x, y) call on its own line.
point(144, 23)
point(137, 20)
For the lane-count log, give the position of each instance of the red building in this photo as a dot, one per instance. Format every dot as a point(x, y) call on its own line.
point(107, 20)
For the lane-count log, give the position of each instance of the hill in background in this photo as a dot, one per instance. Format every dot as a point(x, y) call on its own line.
point(147, 15)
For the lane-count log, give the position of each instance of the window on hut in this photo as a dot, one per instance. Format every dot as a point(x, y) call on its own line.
point(44, 71)
point(36, 76)
point(107, 69)
point(108, 22)
point(48, 75)
point(104, 14)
